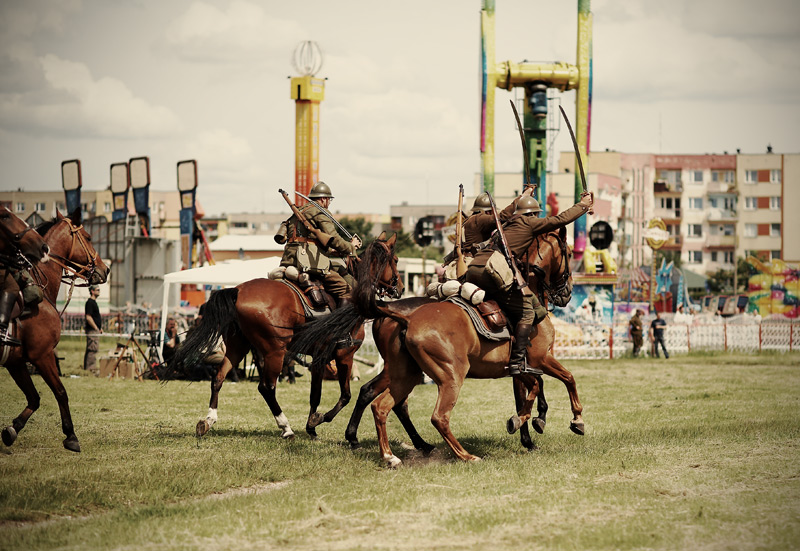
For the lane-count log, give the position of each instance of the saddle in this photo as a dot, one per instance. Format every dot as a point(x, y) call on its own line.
point(489, 320)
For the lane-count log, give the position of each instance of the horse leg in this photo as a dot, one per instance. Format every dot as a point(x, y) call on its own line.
point(541, 409)
point(233, 355)
point(401, 410)
point(366, 396)
point(397, 393)
point(314, 397)
point(23, 379)
point(524, 402)
point(552, 367)
point(270, 367)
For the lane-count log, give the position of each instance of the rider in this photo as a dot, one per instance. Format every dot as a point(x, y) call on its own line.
point(309, 255)
point(524, 311)
point(14, 278)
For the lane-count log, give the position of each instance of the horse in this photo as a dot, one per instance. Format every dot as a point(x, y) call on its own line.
point(436, 344)
point(71, 251)
point(18, 242)
point(262, 315)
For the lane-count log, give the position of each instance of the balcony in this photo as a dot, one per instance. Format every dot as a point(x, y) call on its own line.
point(673, 243)
point(667, 214)
point(721, 241)
point(662, 186)
point(720, 188)
point(722, 215)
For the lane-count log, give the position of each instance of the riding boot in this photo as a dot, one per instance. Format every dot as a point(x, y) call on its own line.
point(7, 301)
point(518, 365)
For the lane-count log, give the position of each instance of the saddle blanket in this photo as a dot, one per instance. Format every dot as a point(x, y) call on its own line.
point(477, 321)
point(307, 310)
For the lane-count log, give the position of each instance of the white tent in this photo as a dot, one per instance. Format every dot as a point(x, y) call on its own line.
point(228, 274)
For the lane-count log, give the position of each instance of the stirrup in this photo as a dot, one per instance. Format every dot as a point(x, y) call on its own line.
point(8, 340)
point(523, 368)
point(348, 342)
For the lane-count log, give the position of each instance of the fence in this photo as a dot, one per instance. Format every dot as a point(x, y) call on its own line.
point(114, 324)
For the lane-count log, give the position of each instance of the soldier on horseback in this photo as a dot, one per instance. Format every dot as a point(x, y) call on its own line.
point(15, 277)
point(306, 253)
point(523, 311)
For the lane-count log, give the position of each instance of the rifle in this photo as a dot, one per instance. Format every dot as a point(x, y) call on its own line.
point(320, 235)
point(518, 279)
point(461, 265)
point(330, 217)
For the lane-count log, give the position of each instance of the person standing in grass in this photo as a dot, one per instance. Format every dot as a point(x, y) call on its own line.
point(636, 332)
point(657, 327)
point(93, 327)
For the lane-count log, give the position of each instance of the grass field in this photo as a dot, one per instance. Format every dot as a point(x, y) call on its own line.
point(697, 452)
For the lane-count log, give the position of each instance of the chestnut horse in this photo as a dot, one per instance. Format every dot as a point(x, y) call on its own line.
point(262, 315)
point(436, 343)
point(71, 251)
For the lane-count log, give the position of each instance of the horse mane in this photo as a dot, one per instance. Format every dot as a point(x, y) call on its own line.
point(45, 227)
point(374, 260)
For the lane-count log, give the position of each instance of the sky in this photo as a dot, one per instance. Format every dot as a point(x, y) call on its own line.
point(173, 80)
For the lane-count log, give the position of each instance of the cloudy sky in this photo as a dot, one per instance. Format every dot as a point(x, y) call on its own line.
point(207, 80)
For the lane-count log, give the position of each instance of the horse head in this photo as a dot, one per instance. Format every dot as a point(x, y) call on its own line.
point(378, 276)
point(18, 238)
point(72, 248)
point(548, 267)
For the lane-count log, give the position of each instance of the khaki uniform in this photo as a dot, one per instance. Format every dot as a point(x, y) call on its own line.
point(480, 225)
point(520, 233)
point(304, 252)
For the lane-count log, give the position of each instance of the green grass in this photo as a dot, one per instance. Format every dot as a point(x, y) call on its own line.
point(691, 452)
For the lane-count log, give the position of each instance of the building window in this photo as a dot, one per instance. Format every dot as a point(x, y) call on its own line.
point(712, 202)
point(775, 230)
point(695, 257)
point(730, 176)
point(728, 229)
point(60, 206)
point(750, 230)
point(239, 224)
point(106, 207)
point(776, 255)
point(750, 176)
point(20, 207)
point(714, 256)
point(775, 176)
point(39, 207)
point(728, 257)
point(750, 203)
point(697, 176)
point(775, 203)
point(695, 230)
point(670, 176)
point(696, 203)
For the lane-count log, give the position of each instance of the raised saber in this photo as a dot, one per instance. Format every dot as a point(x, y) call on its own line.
point(577, 153)
point(330, 217)
point(525, 159)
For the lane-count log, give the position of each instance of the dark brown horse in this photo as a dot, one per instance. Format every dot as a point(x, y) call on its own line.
point(416, 336)
point(262, 315)
point(71, 251)
point(19, 244)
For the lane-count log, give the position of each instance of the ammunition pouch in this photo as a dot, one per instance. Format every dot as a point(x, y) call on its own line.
point(311, 259)
point(450, 271)
point(499, 271)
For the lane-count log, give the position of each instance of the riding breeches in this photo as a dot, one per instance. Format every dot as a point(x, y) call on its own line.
point(518, 308)
point(336, 285)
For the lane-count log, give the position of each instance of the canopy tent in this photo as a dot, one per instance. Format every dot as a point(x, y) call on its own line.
point(227, 274)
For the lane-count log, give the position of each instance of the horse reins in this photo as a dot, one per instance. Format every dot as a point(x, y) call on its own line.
point(83, 271)
point(556, 288)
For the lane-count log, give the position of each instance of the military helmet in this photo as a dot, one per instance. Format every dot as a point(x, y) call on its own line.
point(482, 203)
point(320, 191)
point(527, 204)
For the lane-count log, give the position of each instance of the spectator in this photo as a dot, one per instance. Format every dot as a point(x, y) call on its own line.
point(636, 332)
point(94, 328)
point(657, 327)
point(171, 341)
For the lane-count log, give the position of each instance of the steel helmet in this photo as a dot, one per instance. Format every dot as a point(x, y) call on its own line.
point(320, 191)
point(482, 203)
point(527, 204)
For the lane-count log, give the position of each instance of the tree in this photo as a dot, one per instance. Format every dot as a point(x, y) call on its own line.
point(358, 226)
point(669, 256)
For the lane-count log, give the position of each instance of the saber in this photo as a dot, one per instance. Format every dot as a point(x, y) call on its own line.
point(525, 159)
point(577, 154)
point(328, 214)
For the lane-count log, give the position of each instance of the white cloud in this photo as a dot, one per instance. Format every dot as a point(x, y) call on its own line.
point(243, 32)
point(77, 105)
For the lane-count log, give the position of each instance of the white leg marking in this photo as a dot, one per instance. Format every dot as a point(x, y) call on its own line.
point(211, 418)
point(283, 423)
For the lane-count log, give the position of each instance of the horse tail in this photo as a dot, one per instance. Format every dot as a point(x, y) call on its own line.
point(318, 337)
point(219, 320)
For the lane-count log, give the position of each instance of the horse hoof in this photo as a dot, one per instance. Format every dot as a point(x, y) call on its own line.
point(289, 435)
point(474, 459)
point(9, 436)
point(202, 428)
point(71, 443)
point(538, 425)
point(392, 461)
point(354, 444)
point(577, 428)
point(315, 419)
point(513, 424)
point(311, 432)
point(426, 449)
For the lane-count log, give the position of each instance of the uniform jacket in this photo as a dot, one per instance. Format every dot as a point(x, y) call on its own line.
point(522, 230)
point(636, 325)
point(303, 250)
point(479, 226)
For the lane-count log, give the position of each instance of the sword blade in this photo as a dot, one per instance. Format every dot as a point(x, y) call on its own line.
point(328, 214)
point(525, 158)
point(575, 145)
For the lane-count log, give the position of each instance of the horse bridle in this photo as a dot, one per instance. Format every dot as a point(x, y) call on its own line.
point(385, 288)
point(82, 271)
point(556, 291)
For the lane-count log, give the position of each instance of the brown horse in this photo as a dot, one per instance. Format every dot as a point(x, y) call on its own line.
point(262, 315)
point(70, 250)
point(19, 244)
point(436, 343)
